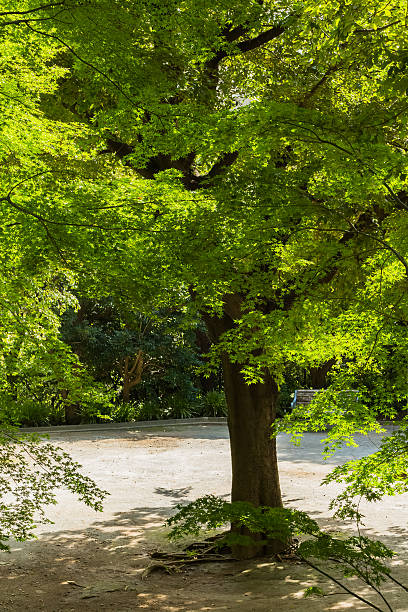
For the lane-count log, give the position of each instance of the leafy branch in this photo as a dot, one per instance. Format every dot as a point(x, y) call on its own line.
point(355, 556)
point(31, 471)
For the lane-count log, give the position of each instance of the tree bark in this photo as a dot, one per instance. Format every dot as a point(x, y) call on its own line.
point(318, 374)
point(126, 392)
point(72, 411)
point(72, 414)
point(255, 474)
point(251, 412)
point(132, 374)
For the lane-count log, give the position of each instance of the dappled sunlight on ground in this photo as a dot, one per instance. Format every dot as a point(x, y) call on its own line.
point(95, 562)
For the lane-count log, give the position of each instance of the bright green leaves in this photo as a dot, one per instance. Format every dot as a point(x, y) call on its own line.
point(353, 556)
point(370, 478)
point(34, 362)
point(179, 158)
point(31, 470)
point(211, 512)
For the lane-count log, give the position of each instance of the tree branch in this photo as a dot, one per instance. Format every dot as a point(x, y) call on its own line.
point(28, 21)
point(33, 10)
point(319, 84)
point(86, 63)
point(222, 164)
point(261, 39)
point(245, 45)
point(161, 162)
point(318, 569)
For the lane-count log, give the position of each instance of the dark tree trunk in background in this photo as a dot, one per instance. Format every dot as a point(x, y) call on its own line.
point(126, 393)
point(318, 374)
point(72, 411)
point(212, 382)
point(132, 374)
point(251, 412)
point(72, 414)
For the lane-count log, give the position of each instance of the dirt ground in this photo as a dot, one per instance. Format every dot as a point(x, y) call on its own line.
point(89, 561)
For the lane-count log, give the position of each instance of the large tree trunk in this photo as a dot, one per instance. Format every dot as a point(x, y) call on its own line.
point(251, 412)
point(255, 475)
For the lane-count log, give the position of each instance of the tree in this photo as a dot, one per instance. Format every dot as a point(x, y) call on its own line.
point(245, 160)
point(139, 356)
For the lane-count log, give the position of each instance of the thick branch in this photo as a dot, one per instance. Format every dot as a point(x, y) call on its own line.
point(33, 10)
point(261, 39)
point(224, 162)
point(136, 361)
point(27, 21)
point(161, 162)
point(319, 84)
point(245, 45)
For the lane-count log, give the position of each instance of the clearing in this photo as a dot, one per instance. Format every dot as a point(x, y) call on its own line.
point(89, 561)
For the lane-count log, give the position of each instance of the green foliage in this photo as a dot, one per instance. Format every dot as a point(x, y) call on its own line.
point(314, 590)
point(246, 163)
point(385, 472)
point(340, 412)
point(211, 512)
point(123, 412)
point(36, 366)
point(353, 556)
point(27, 412)
point(102, 336)
point(178, 405)
point(305, 225)
point(213, 404)
point(31, 470)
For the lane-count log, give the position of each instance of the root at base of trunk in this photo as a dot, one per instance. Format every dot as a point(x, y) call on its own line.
point(209, 551)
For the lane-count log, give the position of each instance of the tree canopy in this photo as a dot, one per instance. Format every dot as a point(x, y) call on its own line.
point(244, 162)
point(275, 134)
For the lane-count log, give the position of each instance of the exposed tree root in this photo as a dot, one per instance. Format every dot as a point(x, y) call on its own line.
point(212, 550)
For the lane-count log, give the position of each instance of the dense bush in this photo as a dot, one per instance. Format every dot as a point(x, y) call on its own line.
point(103, 345)
point(213, 404)
point(175, 406)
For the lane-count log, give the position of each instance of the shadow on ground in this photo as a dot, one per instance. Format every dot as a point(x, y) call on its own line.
point(205, 432)
point(102, 568)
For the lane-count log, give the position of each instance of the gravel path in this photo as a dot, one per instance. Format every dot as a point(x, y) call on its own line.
point(88, 561)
